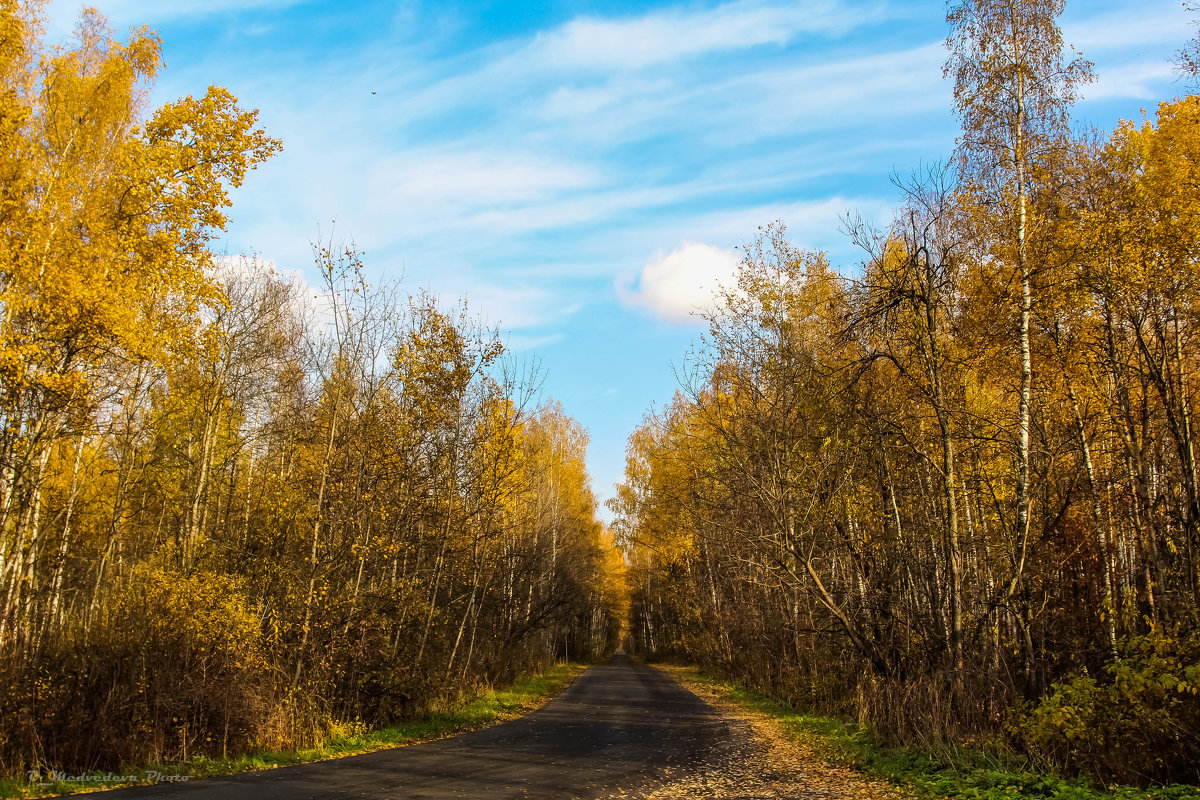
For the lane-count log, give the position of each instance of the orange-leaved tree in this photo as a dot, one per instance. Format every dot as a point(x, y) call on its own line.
point(107, 222)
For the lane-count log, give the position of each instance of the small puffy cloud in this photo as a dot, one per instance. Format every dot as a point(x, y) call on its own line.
point(678, 285)
point(239, 266)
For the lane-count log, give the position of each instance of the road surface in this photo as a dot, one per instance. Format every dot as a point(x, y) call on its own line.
point(619, 726)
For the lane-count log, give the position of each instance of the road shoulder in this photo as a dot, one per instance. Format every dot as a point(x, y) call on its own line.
point(770, 763)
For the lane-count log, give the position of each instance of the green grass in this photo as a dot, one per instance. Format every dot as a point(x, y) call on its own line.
point(964, 773)
point(492, 706)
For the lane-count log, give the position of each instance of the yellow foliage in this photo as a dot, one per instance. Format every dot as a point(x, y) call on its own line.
point(105, 244)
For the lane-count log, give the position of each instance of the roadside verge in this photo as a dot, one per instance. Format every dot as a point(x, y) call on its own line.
point(491, 707)
point(774, 761)
point(840, 760)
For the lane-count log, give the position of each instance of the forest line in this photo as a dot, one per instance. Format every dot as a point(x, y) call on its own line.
point(952, 494)
point(233, 515)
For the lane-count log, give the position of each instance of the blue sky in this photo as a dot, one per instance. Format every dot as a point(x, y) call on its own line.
point(582, 171)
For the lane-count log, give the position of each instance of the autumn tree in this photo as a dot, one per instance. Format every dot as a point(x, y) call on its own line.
point(857, 506)
point(909, 300)
point(1012, 92)
point(138, 195)
point(237, 513)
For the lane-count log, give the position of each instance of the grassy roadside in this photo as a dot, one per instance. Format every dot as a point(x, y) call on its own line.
point(965, 774)
point(490, 707)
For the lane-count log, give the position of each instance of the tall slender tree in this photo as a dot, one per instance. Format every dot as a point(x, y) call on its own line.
point(1012, 92)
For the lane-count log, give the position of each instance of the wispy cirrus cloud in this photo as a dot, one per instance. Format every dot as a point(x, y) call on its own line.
point(453, 182)
point(637, 42)
point(583, 180)
point(473, 166)
point(62, 14)
point(1125, 27)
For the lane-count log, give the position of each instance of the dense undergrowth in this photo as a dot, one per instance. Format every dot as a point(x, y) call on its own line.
point(1138, 717)
point(951, 772)
point(467, 712)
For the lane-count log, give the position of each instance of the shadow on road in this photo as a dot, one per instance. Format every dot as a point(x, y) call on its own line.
point(620, 725)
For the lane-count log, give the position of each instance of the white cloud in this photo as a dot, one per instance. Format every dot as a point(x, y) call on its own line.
point(619, 71)
point(812, 225)
point(61, 15)
point(1155, 26)
point(1132, 48)
point(635, 43)
point(680, 284)
point(1138, 80)
point(517, 307)
point(466, 180)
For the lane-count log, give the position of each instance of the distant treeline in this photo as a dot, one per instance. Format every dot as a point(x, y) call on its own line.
point(237, 513)
point(953, 493)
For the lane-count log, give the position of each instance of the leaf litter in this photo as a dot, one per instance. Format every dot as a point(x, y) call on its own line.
point(760, 762)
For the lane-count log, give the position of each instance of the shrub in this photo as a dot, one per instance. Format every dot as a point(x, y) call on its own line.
point(1139, 724)
point(172, 667)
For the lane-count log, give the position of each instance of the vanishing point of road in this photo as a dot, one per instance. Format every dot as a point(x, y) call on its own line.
point(620, 727)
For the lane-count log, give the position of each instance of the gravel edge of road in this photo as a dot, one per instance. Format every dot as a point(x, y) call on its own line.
point(791, 766)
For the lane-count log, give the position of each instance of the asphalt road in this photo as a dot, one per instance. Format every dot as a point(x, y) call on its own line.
point(619, 726)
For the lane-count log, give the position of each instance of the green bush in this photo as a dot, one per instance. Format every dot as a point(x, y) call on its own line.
point(1140, 723)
